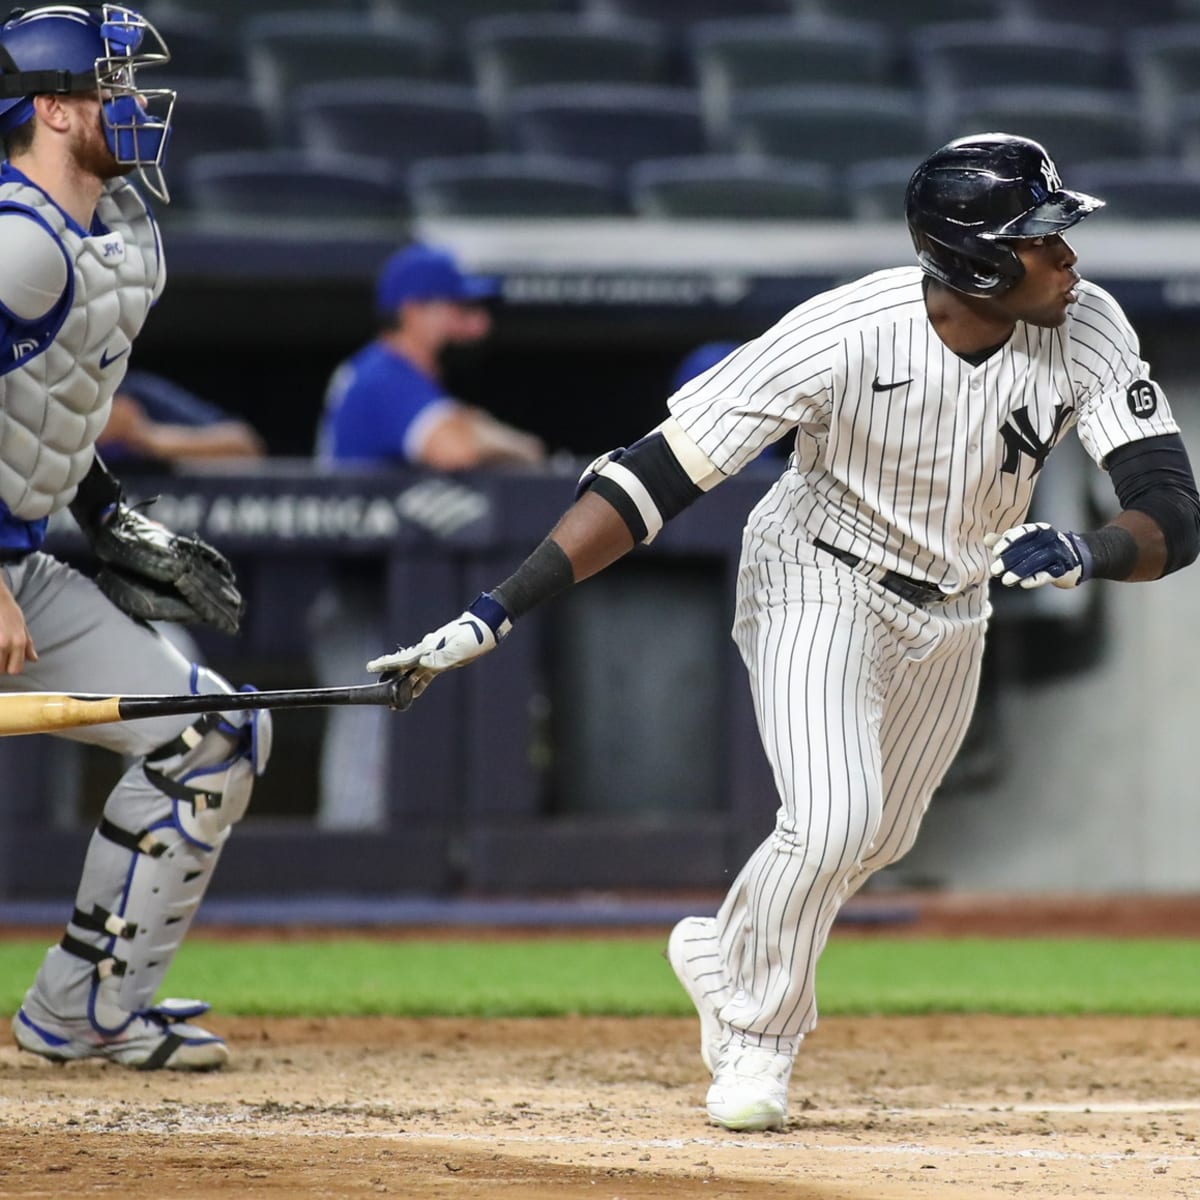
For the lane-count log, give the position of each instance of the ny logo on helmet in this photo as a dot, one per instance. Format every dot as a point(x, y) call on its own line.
point(1049, 173)
point(1021, 437)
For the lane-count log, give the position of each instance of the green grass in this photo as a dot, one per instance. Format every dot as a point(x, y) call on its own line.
point(628, 976)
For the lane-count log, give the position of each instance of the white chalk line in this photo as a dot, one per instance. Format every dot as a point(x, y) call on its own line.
point(195, 1121)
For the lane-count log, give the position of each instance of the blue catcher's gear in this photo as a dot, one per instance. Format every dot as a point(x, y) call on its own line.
point(65, 49)
point(969, 200)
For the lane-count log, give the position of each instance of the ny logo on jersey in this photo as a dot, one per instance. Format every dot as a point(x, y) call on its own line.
point(1050, 174)
point(1020, 437)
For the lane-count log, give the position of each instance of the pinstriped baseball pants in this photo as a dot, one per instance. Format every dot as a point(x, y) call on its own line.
point(862, 701)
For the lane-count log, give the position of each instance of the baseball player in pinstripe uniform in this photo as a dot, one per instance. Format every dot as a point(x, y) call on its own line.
point(82, 264)
point(924, 400)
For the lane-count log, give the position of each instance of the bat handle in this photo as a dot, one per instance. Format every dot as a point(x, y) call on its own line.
point(401, 691)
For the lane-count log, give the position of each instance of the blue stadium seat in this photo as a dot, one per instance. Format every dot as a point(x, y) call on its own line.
point(719, 187)
point(974, 54)
point(875, 189)
point(609, 123)
point(732, 57)
point(1143, 189)
point(1074, 124)
point(510, 53)
point(283, 185)
point(400, 121)
point(287, 51)
point(212, 116)
point(1164, 62)
point(506, 185)
point(835, 124)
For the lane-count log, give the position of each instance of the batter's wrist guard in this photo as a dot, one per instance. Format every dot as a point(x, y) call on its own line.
point(486, 608)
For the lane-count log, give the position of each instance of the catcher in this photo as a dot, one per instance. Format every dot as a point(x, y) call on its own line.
point(81, 265)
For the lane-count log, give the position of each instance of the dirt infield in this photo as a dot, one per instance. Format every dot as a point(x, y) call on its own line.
point(942, 1108)
point(946, 1108)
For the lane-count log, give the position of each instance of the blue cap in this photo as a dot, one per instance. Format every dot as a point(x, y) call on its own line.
point(427, 273)
point(699, 360)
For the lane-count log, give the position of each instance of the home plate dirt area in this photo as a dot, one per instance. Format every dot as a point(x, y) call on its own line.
point(945, 1108)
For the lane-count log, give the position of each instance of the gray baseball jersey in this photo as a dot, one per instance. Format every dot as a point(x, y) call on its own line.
point(906, 456)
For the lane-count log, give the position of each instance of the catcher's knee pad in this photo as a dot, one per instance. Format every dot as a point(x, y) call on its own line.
point(155, 850)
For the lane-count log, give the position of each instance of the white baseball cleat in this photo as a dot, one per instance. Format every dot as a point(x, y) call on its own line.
point(156, 1039)
point(749, 1089)
point(691, 953)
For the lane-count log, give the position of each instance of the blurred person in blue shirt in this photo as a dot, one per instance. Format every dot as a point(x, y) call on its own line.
point(155, 421)
point(388, 405)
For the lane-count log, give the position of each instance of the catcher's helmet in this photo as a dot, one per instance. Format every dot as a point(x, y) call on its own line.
point(969, 199)
point(78, 49)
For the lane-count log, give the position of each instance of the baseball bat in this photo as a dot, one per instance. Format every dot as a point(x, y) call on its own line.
point(46, 712)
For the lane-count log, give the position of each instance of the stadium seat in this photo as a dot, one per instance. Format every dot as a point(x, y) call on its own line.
point(1185, 131)
point(901, 16)
point(287, 51)
point(235, 12)
point(455, 15)
point(1145, 189)
point(400, 121)
point(717, 187)
point(1120, 16)
point(731, 57)
point(212, 116)
point(200, 49)
point(975, 54)
point(503, 185)
point(673, 12)
point(609, 123)
point(835, 124)
point(283, 185)
point(1164, 62)
point(1074, 124)
point(509, 53)
point(875, 189)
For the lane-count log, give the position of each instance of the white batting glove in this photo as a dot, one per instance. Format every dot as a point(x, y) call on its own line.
point(1036, 553)
point(480, 629)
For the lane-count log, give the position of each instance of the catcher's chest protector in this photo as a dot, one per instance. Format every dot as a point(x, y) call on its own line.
point(56, 392)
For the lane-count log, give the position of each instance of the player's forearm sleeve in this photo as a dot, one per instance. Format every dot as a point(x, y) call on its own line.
point(1154, 476)
point(545, 573)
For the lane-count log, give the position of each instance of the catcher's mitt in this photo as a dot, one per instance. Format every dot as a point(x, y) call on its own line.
point(156, 575)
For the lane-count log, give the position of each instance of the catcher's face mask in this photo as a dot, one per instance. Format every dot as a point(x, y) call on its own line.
point(63, 49)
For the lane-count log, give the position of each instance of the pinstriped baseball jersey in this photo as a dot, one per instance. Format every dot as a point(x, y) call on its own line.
point(906, 454)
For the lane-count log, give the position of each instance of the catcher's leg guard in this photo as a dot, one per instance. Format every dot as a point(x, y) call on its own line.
point(147, 869)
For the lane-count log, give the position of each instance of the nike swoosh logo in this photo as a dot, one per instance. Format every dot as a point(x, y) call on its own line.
point(105, 361)
point(876, 386)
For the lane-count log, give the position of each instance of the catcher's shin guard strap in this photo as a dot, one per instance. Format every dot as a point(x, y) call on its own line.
point(142, 842)
point(101, 921)
point(106, 964)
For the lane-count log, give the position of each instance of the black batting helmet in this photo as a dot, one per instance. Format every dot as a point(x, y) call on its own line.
point(969, 199)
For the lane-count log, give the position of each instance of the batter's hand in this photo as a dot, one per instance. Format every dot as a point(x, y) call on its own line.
point(1035, 554)
point(483, 626)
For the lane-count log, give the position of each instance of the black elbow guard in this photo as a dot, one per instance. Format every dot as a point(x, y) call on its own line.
point(1177, 514)
point(1155, 477)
